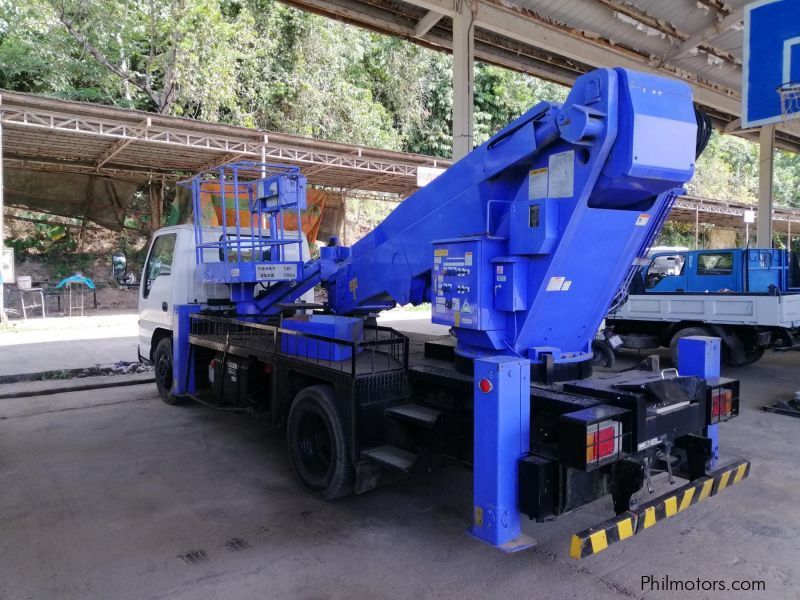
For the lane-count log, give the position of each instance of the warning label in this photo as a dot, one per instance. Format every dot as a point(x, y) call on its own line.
point(537, 184)
point(559, 284)
point(276, 272)
point(562, 175)
point(555, 283)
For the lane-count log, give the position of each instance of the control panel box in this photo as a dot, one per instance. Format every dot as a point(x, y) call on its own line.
point(462, 282)
point(510, 283)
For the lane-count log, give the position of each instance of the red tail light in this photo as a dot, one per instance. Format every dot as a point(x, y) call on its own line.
point(721, 404)
point(602, 440)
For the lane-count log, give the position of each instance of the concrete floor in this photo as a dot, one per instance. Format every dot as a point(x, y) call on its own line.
point(37, 345)
point(113, 494)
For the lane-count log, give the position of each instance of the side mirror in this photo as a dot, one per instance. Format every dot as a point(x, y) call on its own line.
point(119, 269)
point(119, 266)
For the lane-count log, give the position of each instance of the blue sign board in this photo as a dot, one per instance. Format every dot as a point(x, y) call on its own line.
point(771, 58)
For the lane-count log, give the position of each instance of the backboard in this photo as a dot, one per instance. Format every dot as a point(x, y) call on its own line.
point(771, 60)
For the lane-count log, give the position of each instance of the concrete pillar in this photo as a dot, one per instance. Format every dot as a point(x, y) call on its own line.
point(156, 206)
point(463, 78)
point(766, 154)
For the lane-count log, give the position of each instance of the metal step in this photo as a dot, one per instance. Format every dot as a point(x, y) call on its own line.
point(392, 457)
point(415, 413)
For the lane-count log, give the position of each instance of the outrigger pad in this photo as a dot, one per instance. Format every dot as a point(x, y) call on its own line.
point(596, 539)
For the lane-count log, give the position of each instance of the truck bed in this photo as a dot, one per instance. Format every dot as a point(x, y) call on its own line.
point(735, 309)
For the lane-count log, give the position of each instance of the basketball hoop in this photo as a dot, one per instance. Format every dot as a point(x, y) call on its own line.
point(790, 105)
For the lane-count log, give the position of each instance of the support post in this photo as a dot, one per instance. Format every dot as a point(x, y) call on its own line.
point(700, 356)
point(766, 157)
point(156, 204)
point(463, 78)
point(502, 400)
point(183, 373)
point(696, 228)
point(789, 234)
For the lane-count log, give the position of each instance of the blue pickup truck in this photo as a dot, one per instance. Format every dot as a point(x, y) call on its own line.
point(750, 298)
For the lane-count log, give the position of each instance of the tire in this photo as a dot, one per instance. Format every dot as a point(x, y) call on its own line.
point(752, 353)
point(640, 341)
point(755, 355)
point(162, 367)
point(751, 356)
point(602, 354)
point(318, 447)
point(682, 333)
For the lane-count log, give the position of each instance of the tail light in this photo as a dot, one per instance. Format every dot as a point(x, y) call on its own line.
point(723, 401)
point(593, 437)
point(603, 440)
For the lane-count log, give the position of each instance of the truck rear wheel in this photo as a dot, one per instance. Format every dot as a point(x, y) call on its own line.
point(752, 355)
point(318, 445)
point(162, 365)
point(682, 333)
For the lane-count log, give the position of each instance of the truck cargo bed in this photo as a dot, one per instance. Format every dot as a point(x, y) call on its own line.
point(735, 309)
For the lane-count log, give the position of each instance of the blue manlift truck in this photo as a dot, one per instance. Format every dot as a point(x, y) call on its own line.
point(520, 248)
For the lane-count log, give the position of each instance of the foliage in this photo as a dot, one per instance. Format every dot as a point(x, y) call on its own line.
point(676, 234)
point(45, 238)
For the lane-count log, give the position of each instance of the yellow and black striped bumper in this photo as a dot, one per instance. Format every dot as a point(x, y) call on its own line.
point(595, 539)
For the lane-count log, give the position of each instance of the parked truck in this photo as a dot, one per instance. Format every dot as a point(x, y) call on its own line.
point(497, 244)
point(749, 298)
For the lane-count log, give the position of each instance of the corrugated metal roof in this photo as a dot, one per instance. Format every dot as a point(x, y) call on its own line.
point(653, 28)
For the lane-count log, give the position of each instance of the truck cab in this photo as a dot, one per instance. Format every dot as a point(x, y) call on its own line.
point(171, 277)
point(735, 270)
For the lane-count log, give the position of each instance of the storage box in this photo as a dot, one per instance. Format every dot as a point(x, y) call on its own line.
point(346, 329)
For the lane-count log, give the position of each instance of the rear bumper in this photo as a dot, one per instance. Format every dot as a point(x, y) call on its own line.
point(632, 522)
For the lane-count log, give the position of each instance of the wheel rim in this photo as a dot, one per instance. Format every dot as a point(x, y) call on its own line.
point(164, 372)
point(314, 444)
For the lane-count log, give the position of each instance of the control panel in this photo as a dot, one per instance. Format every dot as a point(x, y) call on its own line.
point(463, 284)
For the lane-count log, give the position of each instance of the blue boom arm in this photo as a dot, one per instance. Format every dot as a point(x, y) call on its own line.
point(522, 245)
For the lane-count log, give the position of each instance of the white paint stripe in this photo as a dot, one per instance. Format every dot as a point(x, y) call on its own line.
point(787, 58)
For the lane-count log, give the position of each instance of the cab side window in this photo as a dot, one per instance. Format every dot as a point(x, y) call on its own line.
point(719, 263)
point(159, 261)
point(664, 266)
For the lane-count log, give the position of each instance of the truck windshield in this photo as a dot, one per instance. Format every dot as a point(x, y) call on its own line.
point(664, 266)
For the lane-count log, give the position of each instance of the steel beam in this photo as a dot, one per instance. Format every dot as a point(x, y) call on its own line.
point(118, 147)
point(427, 23)
point(701, 37)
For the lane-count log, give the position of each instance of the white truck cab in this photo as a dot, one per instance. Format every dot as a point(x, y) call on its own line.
point(170, 277)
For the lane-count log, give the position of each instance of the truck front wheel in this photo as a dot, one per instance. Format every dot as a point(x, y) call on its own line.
point(318, 445)
point(162, 365)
